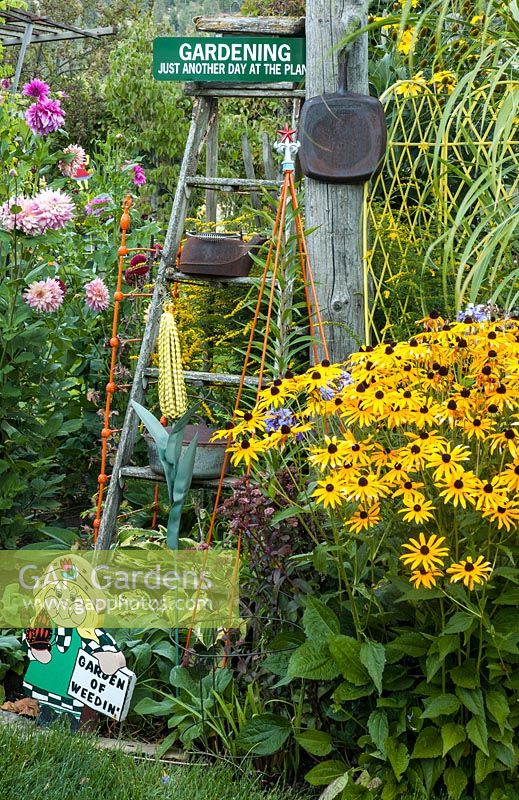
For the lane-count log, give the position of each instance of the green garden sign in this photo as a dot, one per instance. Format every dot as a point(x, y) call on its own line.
point(233, 59)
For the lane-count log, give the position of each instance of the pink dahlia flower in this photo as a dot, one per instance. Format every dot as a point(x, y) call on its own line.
point(36, 88)
point(69, 168)
point(96, 295)
point(8, 219)
point(52, 208)
point(98, 205)
point(45, 116)
point(44, 295)
point(30, 221)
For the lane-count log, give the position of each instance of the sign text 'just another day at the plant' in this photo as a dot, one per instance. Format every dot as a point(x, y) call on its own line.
point(234, 58)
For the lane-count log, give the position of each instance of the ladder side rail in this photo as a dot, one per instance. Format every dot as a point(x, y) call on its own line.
point(204, 110)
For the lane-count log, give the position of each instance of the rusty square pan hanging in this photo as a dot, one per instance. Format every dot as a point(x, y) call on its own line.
point(343, 136)
point(218, 254)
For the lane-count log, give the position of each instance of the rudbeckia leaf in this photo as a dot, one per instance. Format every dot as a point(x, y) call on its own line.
point(444, 704)
point(312, 660)
point(318, 620)
point(346, 653)
point(264, 735)
point(373, 656)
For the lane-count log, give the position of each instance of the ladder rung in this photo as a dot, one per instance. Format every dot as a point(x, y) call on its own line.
point(182, 277)
point(211, 378)
point(204, 90)
point(147, 474)
point(231, 184)
point(262, 25)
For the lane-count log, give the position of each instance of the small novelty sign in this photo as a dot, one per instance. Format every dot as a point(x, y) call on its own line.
point(107, 694)
point(232, 59)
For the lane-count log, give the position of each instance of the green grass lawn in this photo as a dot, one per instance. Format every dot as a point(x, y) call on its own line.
point(53, 765)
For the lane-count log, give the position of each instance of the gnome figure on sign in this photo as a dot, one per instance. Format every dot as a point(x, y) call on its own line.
point(64, 627)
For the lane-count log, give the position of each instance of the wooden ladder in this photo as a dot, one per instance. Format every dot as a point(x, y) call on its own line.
point(203, 128)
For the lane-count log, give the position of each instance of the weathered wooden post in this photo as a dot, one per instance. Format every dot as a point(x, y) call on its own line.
point(335, 248)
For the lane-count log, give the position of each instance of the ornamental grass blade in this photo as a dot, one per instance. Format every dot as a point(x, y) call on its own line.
point(180, 487)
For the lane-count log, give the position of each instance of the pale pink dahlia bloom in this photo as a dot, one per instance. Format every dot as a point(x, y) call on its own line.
point(45, 116)
point(8, 219)
point(53, 209)
point(68, 168)
point(96, 295)
point(44, 295)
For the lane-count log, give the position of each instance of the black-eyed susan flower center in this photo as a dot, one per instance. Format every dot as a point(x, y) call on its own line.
point(488, 488)
point(229, 426)
point(408, 394)
point(458, 484)
point(424, 435)
point(325, 363)
point(465, 393)
point(476, 422)
point(285, 429)
point(408, 485)
point(509, 434)
point(274, 390)
point(379, 395)
point(430, 375)
point(424, 550)
point(398, 466)
point(361, 387)
point(389, 350)
point(413, 343)
point(501, 389)
point(355, 448)
point(417, 507)
point(424, 409)
point(338, 401)
point(316, 376)
point(332, 448)
point(363, 481)
point(289, 374)
point(492, 409)
point(492, 354)
point(407, 368)
point(247, 416)
point(434, 314)
point(245, 444)
point(468, 567)
point(443, 371)
point(516, 470)
point(462, 343)
point(278, 382)
point(446, 457)
point(492, 335)
point(330, 487)
point(415, 449)
point(363, 514)
point(501, 509)
point(486, 370)
point(452, 405)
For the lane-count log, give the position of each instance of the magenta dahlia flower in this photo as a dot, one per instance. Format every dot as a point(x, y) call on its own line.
point(96, 295)
point(139, 177)
point(44, 295)
point(138, 268)
point(37, 89)
point(45, 116)
point(69, 168)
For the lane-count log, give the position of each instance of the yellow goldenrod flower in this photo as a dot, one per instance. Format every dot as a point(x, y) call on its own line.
point(427, 553)
point(470, 572)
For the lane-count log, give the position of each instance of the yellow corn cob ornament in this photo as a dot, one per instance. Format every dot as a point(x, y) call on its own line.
point(172, 388)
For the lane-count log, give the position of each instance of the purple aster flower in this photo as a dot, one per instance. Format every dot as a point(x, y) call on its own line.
point(98, 205)
point(327, 392)
point(344, 380)
point(36, 88)
point(45, 116)
point(278, 417)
